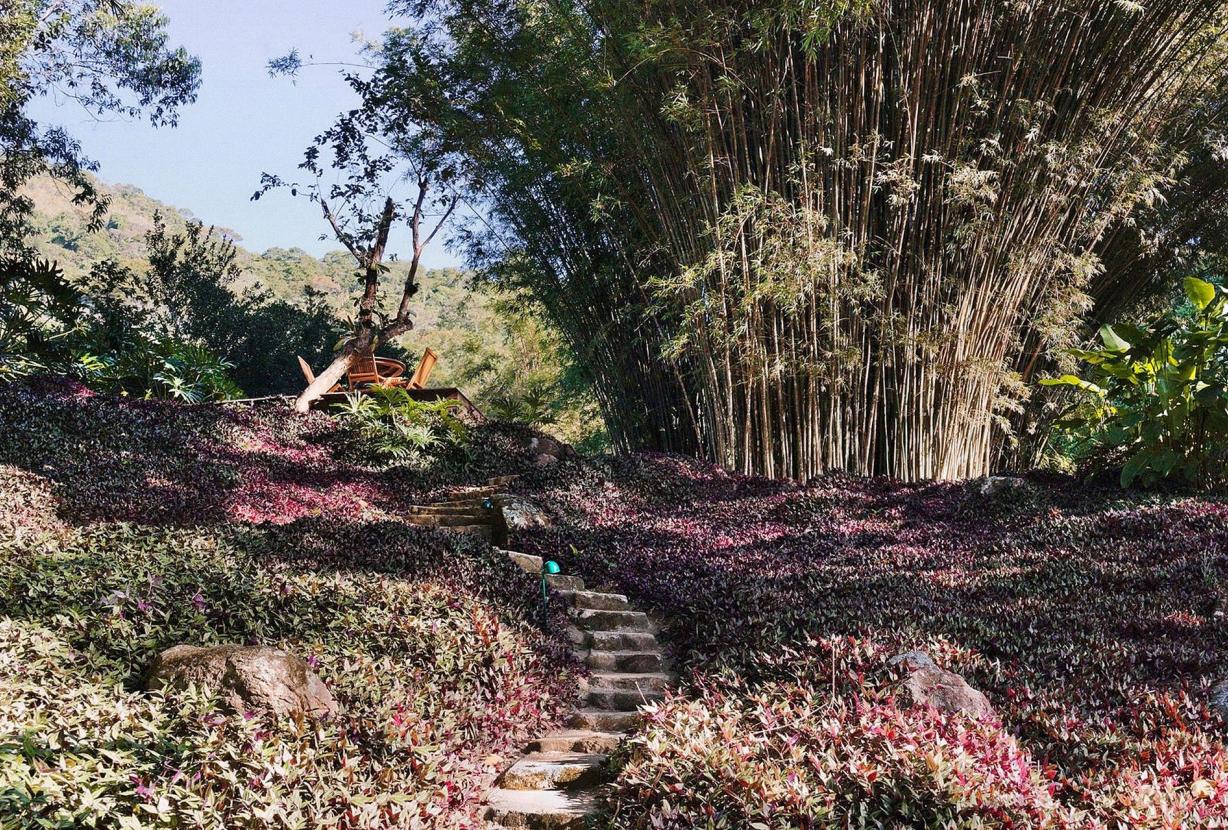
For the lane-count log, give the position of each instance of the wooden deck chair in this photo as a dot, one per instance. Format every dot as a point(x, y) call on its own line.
point(425, 366)
point(311, 376)
point(367, 369)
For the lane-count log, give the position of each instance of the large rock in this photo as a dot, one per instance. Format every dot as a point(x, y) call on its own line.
point(925, 684)
point(522, 514)
point(1005, 486)
point(545, 445)
point(1219, 698)
point(247, 678)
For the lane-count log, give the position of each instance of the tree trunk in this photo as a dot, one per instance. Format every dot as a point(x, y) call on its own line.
point(333, 374)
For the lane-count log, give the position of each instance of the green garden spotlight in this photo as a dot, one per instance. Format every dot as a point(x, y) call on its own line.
point(549, 567)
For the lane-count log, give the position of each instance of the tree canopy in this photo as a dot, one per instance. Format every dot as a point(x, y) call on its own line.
point(108, 56)
point(799, 236)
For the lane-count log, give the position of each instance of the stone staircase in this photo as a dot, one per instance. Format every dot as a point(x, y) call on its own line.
point(556, 783)
point(467, 511)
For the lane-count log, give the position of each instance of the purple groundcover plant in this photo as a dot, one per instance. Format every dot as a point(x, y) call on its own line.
point(1093, 621)
point(127, 527)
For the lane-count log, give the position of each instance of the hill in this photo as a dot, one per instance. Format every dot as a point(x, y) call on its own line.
point(505, 360)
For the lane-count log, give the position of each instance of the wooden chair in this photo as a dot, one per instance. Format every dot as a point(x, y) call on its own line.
point(368, 370)
point(425, 366)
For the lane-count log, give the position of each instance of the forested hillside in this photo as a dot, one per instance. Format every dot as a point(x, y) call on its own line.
point(507, 361)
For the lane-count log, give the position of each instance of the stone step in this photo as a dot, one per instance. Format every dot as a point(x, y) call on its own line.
point(622, 641)
point(445, 510)
point(637, 662)
point(554, 771)
point(578, 637)
point(541, 809)
point(485, 531)
point(446, 520)
point(596, 601)
point(604, 720)
point(620, 700)
point(595, 620)
point(528, 562)
point(564, 582)
point(576, 740)
point(649, 681)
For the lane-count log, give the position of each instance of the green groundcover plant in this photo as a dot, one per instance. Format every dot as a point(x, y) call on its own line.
point(1156, 397)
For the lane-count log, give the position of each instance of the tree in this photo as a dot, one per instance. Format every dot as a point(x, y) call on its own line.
point(794, 237)
point(108, 56)
point(372, 154)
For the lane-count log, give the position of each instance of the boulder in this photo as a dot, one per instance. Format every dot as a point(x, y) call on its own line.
point(246, 678)
point(926, 684)
point(1219, 698)
point(994, 486)
point(522, 514)
point(545, 445)
point(545, 460)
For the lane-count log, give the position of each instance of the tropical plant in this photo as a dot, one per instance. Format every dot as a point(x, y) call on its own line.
point(1156, 397)
point(386, 425)
point(794, 237)
point(39, 313)
point(160, 367)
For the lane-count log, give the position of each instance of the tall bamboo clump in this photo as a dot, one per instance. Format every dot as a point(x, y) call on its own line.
point(804, 236)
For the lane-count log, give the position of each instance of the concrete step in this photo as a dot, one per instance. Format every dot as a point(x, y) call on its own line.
point(596, 601)
point(620, 700)
point(576, 740)
point(541, 809)
point(595, 620)
point(554, 771)
point(636, 662)
point(530, 563)
point(604, 720)
point(623, 641)
point(564, 582)
point(649, 681)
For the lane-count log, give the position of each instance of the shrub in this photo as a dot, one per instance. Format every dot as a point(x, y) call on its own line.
point(1156, 397)
point(384, 424)
point(39, 313)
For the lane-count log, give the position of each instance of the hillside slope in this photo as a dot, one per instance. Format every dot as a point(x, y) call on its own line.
point(128, 527)
point(450, 314)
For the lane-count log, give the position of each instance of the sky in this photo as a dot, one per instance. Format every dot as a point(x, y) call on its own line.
point(244, 122)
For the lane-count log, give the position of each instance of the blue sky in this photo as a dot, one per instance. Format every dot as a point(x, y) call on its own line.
point(244, 122)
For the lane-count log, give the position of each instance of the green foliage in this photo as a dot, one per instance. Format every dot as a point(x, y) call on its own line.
point(39, 313)
point(1156, 397)
point(160, 367)
point(383, 424)
point(186, 293)
point(112, 57)
point(48, 325)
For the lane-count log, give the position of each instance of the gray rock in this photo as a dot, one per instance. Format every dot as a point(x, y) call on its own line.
point(246, 678)
point(993, 486)
point(546, 445)
point(522, 514)
point(925, 684)
point(545, 460)
point(1219, 698)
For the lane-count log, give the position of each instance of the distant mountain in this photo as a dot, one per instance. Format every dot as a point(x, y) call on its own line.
point(449, 316)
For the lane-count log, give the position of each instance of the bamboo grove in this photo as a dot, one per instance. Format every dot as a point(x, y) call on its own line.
point(804, 236)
